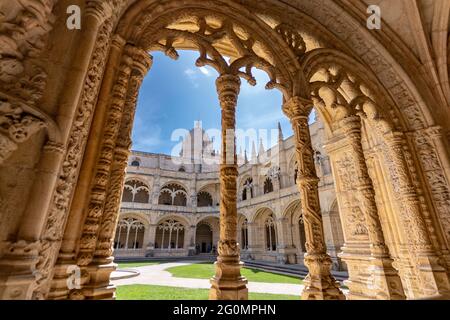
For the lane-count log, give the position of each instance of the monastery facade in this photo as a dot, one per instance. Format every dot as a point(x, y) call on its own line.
point(170, 205)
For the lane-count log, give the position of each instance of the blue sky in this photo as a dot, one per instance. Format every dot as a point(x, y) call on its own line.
point(175, 94)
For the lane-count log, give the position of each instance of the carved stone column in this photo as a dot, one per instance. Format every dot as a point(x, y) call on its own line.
point(228, 284)
point(103, 168)
point(102, 265)
point(149, 243)
point(285, 247)
point(254, 245)
point(319, 283)
point(386, 283)
point(46, 221)
point(433, 278)
point(190, 243)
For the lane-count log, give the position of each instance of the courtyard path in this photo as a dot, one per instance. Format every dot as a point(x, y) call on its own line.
point(156, 275)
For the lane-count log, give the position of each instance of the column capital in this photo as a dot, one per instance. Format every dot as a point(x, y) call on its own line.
point(117, 41)
point(142, 61)
point(101, 10)
point(54, 147)
point(351, 124)
point(297, 107)
point(228, 88)
point(394, 137)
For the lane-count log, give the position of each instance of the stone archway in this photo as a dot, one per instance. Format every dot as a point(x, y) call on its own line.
point(207, 235)
point(203, 238)
point(79, 181)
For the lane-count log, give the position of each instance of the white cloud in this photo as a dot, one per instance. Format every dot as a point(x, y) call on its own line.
point(205, 71)
point(195, 74)
point(189, 72)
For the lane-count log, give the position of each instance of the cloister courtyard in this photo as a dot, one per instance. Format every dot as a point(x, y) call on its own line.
point(189, 280)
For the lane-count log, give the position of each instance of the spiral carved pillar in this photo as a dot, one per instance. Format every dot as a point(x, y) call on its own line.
point(228, 284)
point(102, 262)
point(319, 283)
point(386, 283)
point(432, 277)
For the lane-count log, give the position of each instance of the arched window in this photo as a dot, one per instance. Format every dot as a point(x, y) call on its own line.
point(129, 234)
point(170, 235)
point(204, 199)
point(135, 163)
point(271, 234)
point(165, 197)
point(182, 169)
point(268, 185)
point(173, 194)
point(135, 191)
point(180, 199)
point(247, 192)
point(244, 235)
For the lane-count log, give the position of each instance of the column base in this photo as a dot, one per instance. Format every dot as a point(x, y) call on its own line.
point(433, 277)
point(18, 277)
point(228, 284)
point(384, 282)
point(99, 286)
point(319, 283)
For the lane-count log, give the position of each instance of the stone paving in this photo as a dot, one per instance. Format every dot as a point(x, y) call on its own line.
point(156, 275)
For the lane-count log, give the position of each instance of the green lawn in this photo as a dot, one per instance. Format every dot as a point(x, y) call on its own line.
point(206, 270)
point(150, 292)
point(124, 265)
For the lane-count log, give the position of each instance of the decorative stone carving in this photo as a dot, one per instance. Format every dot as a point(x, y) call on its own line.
point(228, 284)
point(16, 126)
point(384, 274)
point(24, 28)
point(142, 63)
point(98, 192)
point(319, 283)
point(57, 216)
point(429, 270)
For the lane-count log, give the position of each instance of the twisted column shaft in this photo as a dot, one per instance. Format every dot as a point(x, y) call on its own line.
point(319, 283)
point(228, 284)
point(384, 275)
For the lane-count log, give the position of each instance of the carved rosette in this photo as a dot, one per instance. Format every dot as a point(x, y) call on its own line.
point(319, 284)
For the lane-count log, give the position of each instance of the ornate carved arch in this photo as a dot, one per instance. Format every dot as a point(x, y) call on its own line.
point(217, 29)
point(346, 90)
